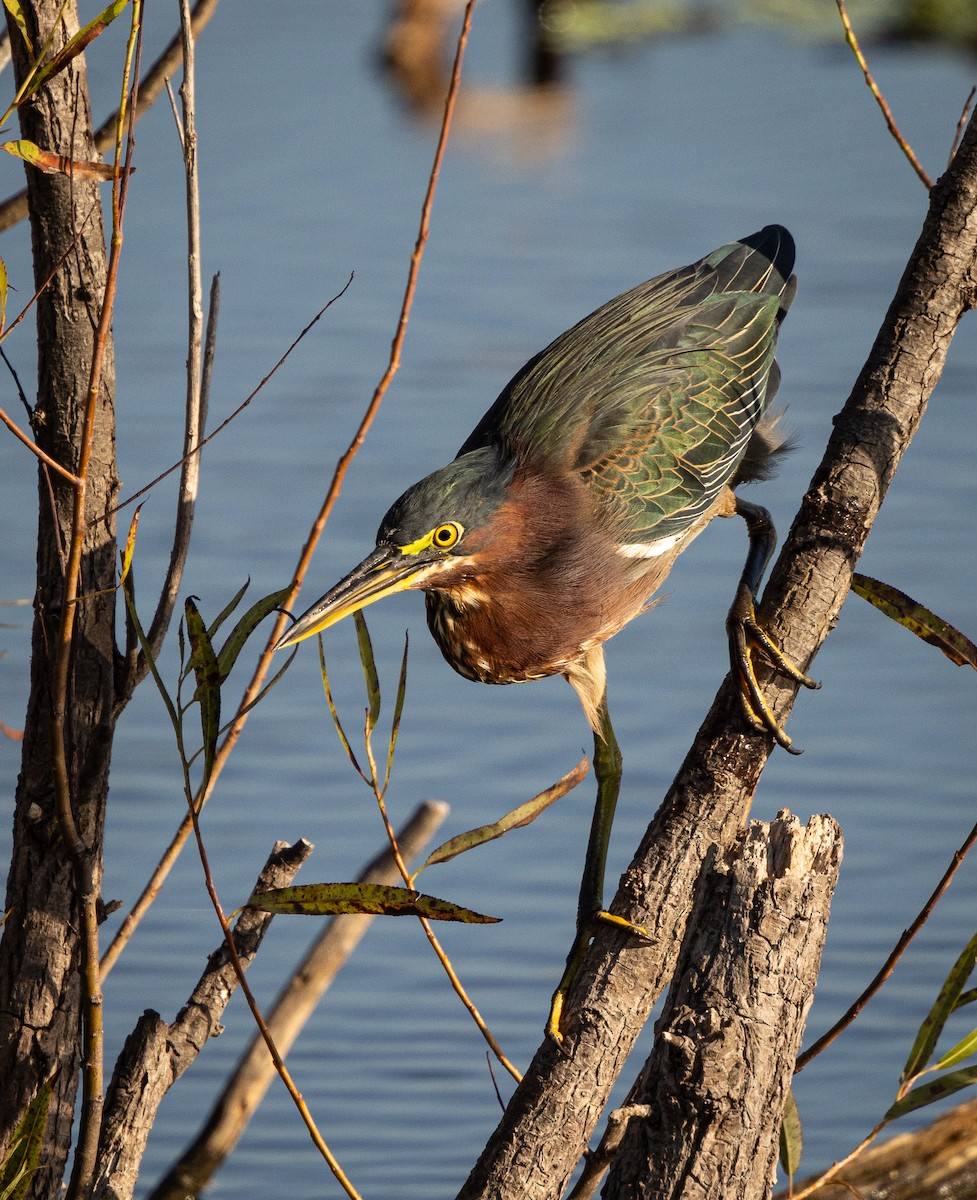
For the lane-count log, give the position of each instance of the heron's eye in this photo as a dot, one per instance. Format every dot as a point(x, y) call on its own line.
point(445, 536)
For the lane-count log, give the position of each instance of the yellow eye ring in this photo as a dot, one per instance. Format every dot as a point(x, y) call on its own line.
point(446, 535)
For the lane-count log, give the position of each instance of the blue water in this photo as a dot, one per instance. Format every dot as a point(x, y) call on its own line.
point(311, 170)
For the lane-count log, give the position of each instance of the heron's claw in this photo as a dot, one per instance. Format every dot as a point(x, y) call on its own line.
point(745, 637)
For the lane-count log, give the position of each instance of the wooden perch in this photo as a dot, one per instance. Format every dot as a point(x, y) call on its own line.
point(718, 1077)
point(555, 1109)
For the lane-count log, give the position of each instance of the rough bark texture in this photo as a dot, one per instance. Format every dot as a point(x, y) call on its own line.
point(718, 1077)
point(553, 1112)
point(39, 991)
point(156, 1054)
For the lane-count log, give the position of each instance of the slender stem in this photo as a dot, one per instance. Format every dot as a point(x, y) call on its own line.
point(36, 449)
point(193, 422)
point(873, 87)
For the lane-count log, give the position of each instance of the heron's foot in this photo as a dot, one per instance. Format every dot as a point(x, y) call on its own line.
point(584, 937)
point(746, 637)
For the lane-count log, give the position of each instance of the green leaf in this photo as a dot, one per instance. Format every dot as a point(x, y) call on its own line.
point(13, 7)
point(245, 627)
point(929, 1093)
point(130, 547)
point(228, 608)
point(525, 814)
point(791, 1137)
point(962, 1050)
point(58, 164)
point(918, 619)
point(22, 1160)
point(369, 669)
point(398, 713)
point(375, 899)
point(203, 662)
point(965, 998)
point(936, 1018)
point(75, 45)
point(334, 712)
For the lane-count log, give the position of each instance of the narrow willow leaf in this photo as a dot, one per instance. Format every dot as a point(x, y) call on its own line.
point(936, 1018)
point(246, 708)
point(3, 295)
point(57, 164)
point(130, 547)
point(375, 899)
point(13, 7)
point(929, 1093)
point(965, 998)
point(229, 652)
point(791, 1137)
point(203, 662)
point(525, 814)
point(962, 1050)
point(228, 608)
point(24, 1155)
point(916, 617)
point(398, 712)
point(334, 712)
point(76, 44)
point(369, 669)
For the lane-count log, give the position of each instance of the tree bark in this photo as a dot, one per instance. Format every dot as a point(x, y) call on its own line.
point(717, 1080)
point(39, 984)
point(555, 1109)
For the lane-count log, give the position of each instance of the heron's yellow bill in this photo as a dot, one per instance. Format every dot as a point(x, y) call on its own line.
point(386, 571)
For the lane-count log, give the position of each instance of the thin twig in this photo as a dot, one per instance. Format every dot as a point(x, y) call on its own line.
point(880, 99)
point(897, 952)
point(237, 412)
point(961, 124)
point(193, 429)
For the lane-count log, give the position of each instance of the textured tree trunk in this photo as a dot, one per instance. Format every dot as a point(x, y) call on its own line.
point(40, 994)
point(717, 1080)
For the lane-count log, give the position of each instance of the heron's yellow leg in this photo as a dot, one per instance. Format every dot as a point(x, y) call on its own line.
point(590, 910)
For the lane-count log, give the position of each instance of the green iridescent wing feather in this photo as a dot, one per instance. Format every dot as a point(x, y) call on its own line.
point(653, 397)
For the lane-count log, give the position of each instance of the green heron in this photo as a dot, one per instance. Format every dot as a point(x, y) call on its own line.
point(567, 506)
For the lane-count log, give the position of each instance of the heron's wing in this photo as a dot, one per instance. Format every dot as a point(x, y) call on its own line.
point(653, 397)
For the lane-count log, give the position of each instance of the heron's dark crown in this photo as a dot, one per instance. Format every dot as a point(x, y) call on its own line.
point(468, 490)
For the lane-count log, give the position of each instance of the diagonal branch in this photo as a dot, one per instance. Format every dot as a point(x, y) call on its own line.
point(556, 1108)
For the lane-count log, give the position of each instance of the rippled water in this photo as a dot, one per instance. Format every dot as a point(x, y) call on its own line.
point(312, 170)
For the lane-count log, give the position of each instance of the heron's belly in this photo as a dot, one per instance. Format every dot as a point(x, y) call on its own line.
point(508, 648)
